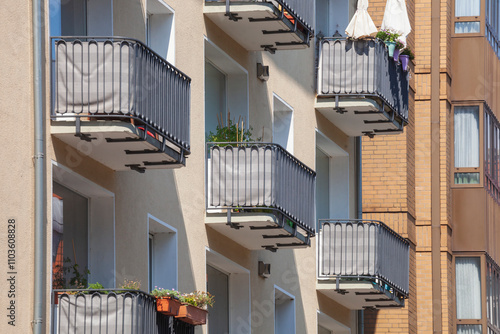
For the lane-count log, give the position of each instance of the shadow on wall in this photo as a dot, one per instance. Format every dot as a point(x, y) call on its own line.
point(141, 200)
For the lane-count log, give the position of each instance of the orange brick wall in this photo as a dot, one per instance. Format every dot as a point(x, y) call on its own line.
point(397, 187)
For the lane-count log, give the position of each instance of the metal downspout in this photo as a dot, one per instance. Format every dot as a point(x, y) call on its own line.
point(359, 213)
point(39, 161)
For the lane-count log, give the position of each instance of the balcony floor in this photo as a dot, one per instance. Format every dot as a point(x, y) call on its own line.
point(250, 34)
point(112, 141)
point(251, 238)
point(362, 116)
point(358, 295)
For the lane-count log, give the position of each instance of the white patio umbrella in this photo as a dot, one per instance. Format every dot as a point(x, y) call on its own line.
point(396, 18)
point(361, 24)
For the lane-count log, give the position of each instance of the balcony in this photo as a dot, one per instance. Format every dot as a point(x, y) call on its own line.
point(111, 311)
point(262, 24)
point(360, 89)
point(362, 264)
point(259, 195)
point(118, 102)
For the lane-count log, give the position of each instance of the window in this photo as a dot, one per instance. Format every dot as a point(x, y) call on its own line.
point(468, 287)
point(226, 89)
point(218, 286)
point(466, 125)
point(284, 312)
point(82, 227)
point(332, 179)
point(469, 329)
point(162, 250)
point(160, 29)
point(230, 284)
point(491, 153)
point(81, 18)
point(328, 325)
point(333, 16)
point(282, 124)
point(467, 7)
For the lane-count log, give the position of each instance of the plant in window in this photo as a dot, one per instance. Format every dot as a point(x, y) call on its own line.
point(230, 132)
point(70, 275)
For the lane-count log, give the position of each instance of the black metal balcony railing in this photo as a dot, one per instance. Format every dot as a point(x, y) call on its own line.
point(121, 78)
point(350, 68)
point(111, 311)
point(257, 176)
point(364, 249)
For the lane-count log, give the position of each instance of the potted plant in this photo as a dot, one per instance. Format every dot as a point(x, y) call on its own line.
point(193, 309)
point(389, 37)
point(399, 45)
point(405, 56)
point(167, 301)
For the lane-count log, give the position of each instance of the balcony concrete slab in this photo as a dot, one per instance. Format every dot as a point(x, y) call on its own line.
point(106, 145)
point(250, 34)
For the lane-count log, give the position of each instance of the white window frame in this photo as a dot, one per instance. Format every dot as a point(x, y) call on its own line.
point(292, 300)
point(237, 82)
point(160, 28)
point(280, 109)
point(99, 262)
point(168, 278)
point(239, 291)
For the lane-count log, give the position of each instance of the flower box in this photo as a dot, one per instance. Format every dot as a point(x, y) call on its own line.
point(192, 315)
point(168, 306)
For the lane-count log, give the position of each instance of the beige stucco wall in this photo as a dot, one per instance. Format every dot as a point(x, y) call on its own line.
point(16, 166)
point(173, 196)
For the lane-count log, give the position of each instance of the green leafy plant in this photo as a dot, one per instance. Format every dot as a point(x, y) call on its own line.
point(165, 293)
point(407, 52)
point(131, 285)
point(230, 132)
point(198, 298)
point(387, 35)
point(95, 286)
point(399, 44)
point(69, 275)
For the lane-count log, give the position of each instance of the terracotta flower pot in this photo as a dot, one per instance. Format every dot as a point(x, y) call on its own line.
point(405, 59)
point(192, 315)
point(168, 306)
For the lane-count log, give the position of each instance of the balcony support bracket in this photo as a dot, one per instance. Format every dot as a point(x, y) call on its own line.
point(236, 226)
point(78, 133)
point(137, 168)
point(269, 48)
point(337, 287)
point(232, 16)
point(337, 108)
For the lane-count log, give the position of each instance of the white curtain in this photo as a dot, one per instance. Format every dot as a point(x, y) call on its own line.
point(467, 27)
point(468, 288)
point(469, 329)
point(467, 7)
point(466, 136)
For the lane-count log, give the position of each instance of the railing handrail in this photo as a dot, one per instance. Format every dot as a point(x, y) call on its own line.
point(362, 221)
point(118, 38)
point(257, 143)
